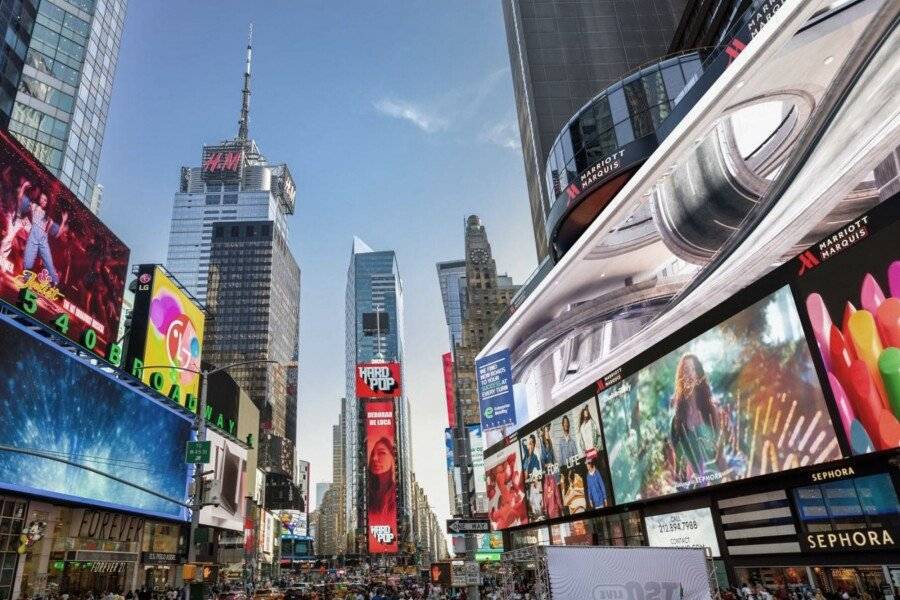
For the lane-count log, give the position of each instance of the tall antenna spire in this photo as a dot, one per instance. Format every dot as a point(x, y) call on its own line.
point(244, 122)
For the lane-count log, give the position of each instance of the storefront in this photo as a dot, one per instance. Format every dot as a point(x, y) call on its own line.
point(162, 550)
point(12, 524)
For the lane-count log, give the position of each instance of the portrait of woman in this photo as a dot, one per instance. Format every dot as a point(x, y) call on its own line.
point(588, 432)
point(382, 480)
point(574, 498)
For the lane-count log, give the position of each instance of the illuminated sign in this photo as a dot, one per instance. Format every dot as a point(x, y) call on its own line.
point(381, 477)
point(683, 529)
point(378, 380)
point(58, 262)
point(449, 388)
point(223, 162)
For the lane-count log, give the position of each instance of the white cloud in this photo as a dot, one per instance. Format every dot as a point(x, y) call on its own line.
point(418, 116)
point(504, 134)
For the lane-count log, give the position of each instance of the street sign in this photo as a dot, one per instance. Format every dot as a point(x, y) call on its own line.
point(468, 526)
point(198, 452)
point(465, 573)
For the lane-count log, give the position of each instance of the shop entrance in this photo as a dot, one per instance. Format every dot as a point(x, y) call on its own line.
point(800, 583)
point(156, 577)
point(856, 583)
point(78, 579)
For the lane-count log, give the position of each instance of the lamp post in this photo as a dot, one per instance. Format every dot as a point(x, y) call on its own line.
point(200, 427)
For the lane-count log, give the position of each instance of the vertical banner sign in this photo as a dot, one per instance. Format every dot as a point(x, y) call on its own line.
point(495, 390)
point(381, 477)
point(449, 389)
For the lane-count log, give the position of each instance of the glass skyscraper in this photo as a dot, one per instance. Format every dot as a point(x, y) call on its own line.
point(16, 22)
point(63, 95)
point(374, 294)
point(452, 277)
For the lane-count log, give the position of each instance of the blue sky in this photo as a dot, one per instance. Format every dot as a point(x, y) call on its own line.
point(397, 120)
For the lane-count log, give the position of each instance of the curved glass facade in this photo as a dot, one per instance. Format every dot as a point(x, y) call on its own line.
point(629, 110)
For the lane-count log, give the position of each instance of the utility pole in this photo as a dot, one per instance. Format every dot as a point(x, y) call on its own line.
point(462, 457)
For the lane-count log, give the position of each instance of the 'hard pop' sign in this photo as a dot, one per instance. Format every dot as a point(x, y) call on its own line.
point(383, 534)
point(378, 380)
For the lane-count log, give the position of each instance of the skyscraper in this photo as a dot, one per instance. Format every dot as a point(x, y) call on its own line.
point(63, 96)
point(487, 295)
point(254, 314)
point(16, 23)
point(561, 54)
point(374, 332)
point(234, 182)
point(452, 277)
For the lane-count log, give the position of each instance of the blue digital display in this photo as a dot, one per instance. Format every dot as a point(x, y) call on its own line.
point(55, 403)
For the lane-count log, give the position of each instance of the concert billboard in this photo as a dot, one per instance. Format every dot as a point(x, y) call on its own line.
point(58, 262)
point(166, 334)
point(505, 488)
point(564, 462)
point(848, 286)
point(60, 405)
point(381, 477)
point(378, 380)
point(741, 399)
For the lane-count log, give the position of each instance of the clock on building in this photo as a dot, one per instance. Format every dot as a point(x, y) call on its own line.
point(478, 256)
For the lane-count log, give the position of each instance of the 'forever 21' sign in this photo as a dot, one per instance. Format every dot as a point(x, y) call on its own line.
point(107, 526)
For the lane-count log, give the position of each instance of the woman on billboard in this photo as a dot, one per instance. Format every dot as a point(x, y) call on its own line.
point(588, 432)
point(552, 497)
point(700, 431)
point(382, 481)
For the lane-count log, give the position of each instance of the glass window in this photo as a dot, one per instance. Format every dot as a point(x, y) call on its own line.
point(230, 199)
point(251, 231)
point(212, 199)
point(869, 501)
point(76, 28)
point(674, 81)
point(235, 231)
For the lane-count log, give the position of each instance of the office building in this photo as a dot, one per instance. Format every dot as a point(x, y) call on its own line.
point(61, 106)
point(487, 296)
point(234, 182)
point(374, 333)
point(561, 54)
point(321, 488)
point(16, 23)
point(254, 314)
point(452, 277)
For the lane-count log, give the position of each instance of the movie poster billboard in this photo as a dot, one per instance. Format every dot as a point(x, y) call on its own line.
point(167, 331)
point(378, 380)
point(564, 462)
point(741, 399)
point(58, 262)
point(848, 287)
point(228, 461)
point(381, 477)
point(54, 402)
point(505, 488)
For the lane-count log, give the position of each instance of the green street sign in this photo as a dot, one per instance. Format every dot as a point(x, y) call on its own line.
point(198, 452)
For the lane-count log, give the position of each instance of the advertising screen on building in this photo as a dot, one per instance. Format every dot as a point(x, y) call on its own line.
point(564, 462)
point(53, 402)
point(228, 461)
point(476, 452)
point(505, 488)
point(58, 262)
point(293, 522)
point(848, 286)
point(381, 477)
point(378, 380)
point(495, 390)
point(449, 388)
point(167, 331)
point(683, 529)
point(739, 400)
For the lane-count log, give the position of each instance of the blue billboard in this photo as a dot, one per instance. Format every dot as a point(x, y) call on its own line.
point(495, 390)
point(56, 404)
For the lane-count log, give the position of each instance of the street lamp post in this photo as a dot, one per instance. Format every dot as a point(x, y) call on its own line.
point(200, 427)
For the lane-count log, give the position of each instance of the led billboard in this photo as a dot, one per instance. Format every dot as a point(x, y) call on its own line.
point(739, 400)
point(381, 477)
point(58, 262)
point(505, 488)
point(564, 462)
point(449, 388)
point(849, 287)
point(167, 335)
point(378, 380)
point(55, 403)
point(228, 461)
point(683, 529)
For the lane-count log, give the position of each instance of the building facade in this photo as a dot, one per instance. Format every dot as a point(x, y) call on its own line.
point(61, 106)
point(16, 22)
point(452, 279)
point(374, 333)
point(487, 296)
point(561, 54)
point(254, 306)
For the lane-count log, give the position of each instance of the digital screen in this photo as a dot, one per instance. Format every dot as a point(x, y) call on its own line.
point(505, 488)
point(683, 529)
point(564, 464)
point(740, 400)
point(376, 323)
point(849, 289)
point(378, 380)
point(167, 331)
point(381, 477)
point(228, 461)
point(53, 402)
point(72, 265)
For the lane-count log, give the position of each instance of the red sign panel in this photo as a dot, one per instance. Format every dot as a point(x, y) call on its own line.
point(58, 262)
point(222, 161)
point(381, 477)
point(449, 389)
point(378, 380)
